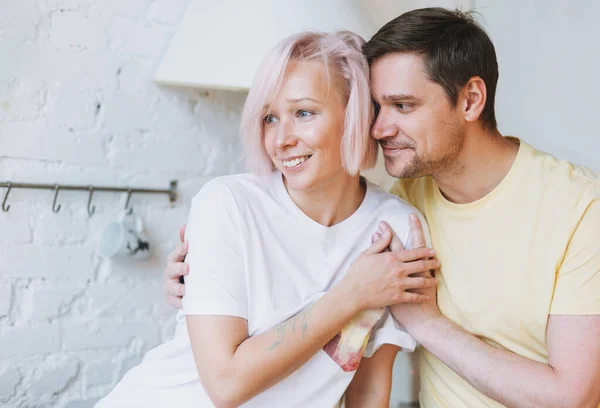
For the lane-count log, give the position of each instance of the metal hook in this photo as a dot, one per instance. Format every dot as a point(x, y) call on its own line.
point(91, 210)
point(5, 207)
point(56, 209)
point(129, 210)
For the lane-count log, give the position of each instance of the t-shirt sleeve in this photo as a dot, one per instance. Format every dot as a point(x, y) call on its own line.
point(216, 283)
point(388, 331)
point(577, 290)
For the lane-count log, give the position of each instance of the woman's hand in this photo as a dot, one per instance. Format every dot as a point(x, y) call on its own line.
point(380, 277)
point(411, 316)
point(175, 271)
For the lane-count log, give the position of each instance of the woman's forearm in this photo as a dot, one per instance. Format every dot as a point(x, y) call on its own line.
point(265, 359)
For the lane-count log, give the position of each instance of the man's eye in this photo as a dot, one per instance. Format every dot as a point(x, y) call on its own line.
point(404, 107)
point(376, 109)
point(304, 114)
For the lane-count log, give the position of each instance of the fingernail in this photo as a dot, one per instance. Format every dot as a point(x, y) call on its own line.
point(377, 236)
point(413, 217)
point(383, 226)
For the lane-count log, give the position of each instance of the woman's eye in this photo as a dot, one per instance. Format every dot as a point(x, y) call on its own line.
point(304, 114)
point(269, 119)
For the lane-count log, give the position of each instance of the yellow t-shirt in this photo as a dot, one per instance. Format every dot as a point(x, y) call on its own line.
point(529, 248)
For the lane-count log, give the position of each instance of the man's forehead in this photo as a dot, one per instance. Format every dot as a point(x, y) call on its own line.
point(408, 66)
point(398, 73)
point(400, 59)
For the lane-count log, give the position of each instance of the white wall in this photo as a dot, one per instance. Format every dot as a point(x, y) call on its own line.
point(549, 77)
point(77, 105)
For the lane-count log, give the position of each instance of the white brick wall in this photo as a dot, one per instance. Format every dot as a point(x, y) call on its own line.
point(78, 106)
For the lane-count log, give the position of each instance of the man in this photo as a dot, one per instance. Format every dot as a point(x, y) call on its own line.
point(517, 319)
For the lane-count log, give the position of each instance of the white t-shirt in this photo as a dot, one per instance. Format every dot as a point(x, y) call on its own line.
point(254, 254)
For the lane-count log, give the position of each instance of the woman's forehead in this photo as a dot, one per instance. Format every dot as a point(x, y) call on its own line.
point(305, 81)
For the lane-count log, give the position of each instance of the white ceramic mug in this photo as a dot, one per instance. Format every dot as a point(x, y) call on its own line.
point(124, 237)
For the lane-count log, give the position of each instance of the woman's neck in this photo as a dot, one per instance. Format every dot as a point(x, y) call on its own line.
point(331, 202)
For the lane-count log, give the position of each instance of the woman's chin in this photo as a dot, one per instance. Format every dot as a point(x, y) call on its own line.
point(299, 182)
point(298, 186)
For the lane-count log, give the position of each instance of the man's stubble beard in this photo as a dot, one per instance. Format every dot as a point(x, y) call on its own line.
point(420, 167)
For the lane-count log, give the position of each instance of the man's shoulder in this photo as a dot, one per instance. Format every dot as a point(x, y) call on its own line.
point(413, 190)
point(563, 178)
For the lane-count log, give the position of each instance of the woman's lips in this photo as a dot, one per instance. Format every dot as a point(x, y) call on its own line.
point(296, 168)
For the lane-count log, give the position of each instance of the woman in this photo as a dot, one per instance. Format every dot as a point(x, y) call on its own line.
point(276, 270)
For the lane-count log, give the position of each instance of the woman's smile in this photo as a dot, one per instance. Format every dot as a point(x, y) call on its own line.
point(295, 163)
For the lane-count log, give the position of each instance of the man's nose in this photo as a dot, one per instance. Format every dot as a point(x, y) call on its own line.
point(383, 127)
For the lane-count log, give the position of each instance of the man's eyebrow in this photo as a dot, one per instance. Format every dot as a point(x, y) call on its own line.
point(400, 98)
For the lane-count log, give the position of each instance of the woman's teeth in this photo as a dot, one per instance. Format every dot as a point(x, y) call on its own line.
point(295, 162)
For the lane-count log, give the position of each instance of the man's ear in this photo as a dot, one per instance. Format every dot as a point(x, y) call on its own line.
point(473, 97)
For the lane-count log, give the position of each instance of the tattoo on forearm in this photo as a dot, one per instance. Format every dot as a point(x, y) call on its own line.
point(304, 317)
point(301, 320)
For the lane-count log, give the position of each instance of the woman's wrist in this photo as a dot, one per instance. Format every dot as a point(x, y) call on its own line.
point(347, 298)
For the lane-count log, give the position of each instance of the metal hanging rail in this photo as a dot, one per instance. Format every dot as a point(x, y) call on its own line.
point(171, 192)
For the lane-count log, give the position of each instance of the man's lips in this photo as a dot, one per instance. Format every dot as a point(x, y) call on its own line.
point(395, 149)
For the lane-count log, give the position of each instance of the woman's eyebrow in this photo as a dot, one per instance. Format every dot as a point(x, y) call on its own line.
point(296, 100)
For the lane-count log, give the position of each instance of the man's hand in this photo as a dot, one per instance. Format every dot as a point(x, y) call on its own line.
point(175, 271)
point(413, 315)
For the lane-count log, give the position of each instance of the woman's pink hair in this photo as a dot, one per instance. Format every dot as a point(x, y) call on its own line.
point(341, 53)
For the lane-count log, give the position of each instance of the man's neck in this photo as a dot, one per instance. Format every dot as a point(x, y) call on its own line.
point(484, 162)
